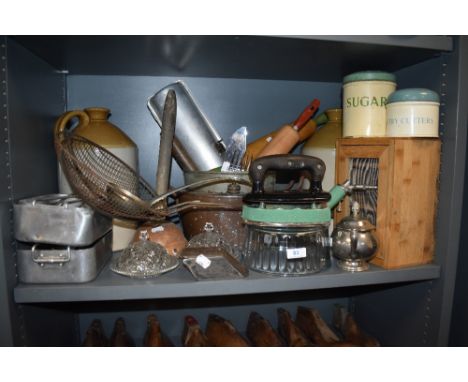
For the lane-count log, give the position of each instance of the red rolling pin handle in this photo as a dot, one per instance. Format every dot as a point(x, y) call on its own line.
point(308, 112)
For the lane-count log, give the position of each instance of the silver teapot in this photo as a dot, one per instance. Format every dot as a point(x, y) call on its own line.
point(353, 242)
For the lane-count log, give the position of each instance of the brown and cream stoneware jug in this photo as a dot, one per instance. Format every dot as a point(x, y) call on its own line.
point(94, 125)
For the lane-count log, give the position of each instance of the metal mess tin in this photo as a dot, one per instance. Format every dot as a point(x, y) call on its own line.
point(41, 263)
point(58, 219)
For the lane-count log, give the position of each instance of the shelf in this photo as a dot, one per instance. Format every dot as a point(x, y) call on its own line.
point(302, 58)
point(442, 43)
point(180, 283)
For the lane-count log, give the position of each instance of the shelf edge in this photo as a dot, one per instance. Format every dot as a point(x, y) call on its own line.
point(24, 293)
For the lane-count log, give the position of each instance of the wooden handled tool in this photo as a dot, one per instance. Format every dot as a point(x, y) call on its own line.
point(255, 147)
point(288, 136)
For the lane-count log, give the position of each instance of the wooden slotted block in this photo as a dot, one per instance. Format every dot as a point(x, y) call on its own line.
point(408, 171)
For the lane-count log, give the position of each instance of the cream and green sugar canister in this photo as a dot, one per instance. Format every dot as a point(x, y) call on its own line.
point(365, 95)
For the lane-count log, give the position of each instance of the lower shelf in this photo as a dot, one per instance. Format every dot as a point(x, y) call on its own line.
point(109, 286)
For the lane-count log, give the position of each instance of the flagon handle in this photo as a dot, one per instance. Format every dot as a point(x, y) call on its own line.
point(63, 120)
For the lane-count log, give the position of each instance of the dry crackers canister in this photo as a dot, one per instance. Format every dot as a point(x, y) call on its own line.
point(364, 98)
point(413, 113)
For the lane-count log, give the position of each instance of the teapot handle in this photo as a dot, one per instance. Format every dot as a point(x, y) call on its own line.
point(354, 241)
point(61, 123)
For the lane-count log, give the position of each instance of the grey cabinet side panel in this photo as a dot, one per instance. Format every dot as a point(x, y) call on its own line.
point(8, 325)
point(7, 274)
point(432, 314)
point(454, 93)
point(31, 97)
point(50, 325)
point(458, 330)
point(395, 315)
point(36, 98)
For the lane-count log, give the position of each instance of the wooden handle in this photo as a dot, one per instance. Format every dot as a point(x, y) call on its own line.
point(254, 148)
point(308, 130)
point(308, 112)
point(61, 123)
point(286, 138)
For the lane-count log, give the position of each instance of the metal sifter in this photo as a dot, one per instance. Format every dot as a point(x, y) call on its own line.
point(288, 229)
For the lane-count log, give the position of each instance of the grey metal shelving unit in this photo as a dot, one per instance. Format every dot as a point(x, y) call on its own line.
point(109, 286)
point(249, 80)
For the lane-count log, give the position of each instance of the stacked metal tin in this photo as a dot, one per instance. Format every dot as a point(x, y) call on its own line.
point(60, 240)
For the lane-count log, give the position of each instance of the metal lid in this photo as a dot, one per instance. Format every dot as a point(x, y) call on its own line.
point(144, 259)
point(369, 75)
point(57, 200)
point(355, 222)
point(413, 95)
point(209, 238)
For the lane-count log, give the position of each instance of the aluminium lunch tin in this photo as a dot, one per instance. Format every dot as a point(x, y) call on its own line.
point(364, 97)
point(58, 219)
point(413, 113)
point(44, 264)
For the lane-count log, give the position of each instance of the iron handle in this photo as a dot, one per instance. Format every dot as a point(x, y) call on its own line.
point(286, 162)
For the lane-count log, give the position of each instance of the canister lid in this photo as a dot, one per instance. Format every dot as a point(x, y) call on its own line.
point(369, 75)
point(413, 95)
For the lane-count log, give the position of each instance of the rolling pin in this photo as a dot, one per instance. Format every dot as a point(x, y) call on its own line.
point(288, 136)
point(254, 148)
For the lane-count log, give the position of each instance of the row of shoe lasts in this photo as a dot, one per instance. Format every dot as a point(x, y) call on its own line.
point(308, 329)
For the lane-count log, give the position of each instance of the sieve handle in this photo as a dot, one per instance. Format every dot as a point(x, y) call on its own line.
point(61, 123)
point(286, 162)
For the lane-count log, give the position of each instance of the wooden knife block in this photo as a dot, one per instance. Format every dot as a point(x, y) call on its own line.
point(407, 189)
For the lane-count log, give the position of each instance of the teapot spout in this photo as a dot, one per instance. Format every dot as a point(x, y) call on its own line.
point(338, 192)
